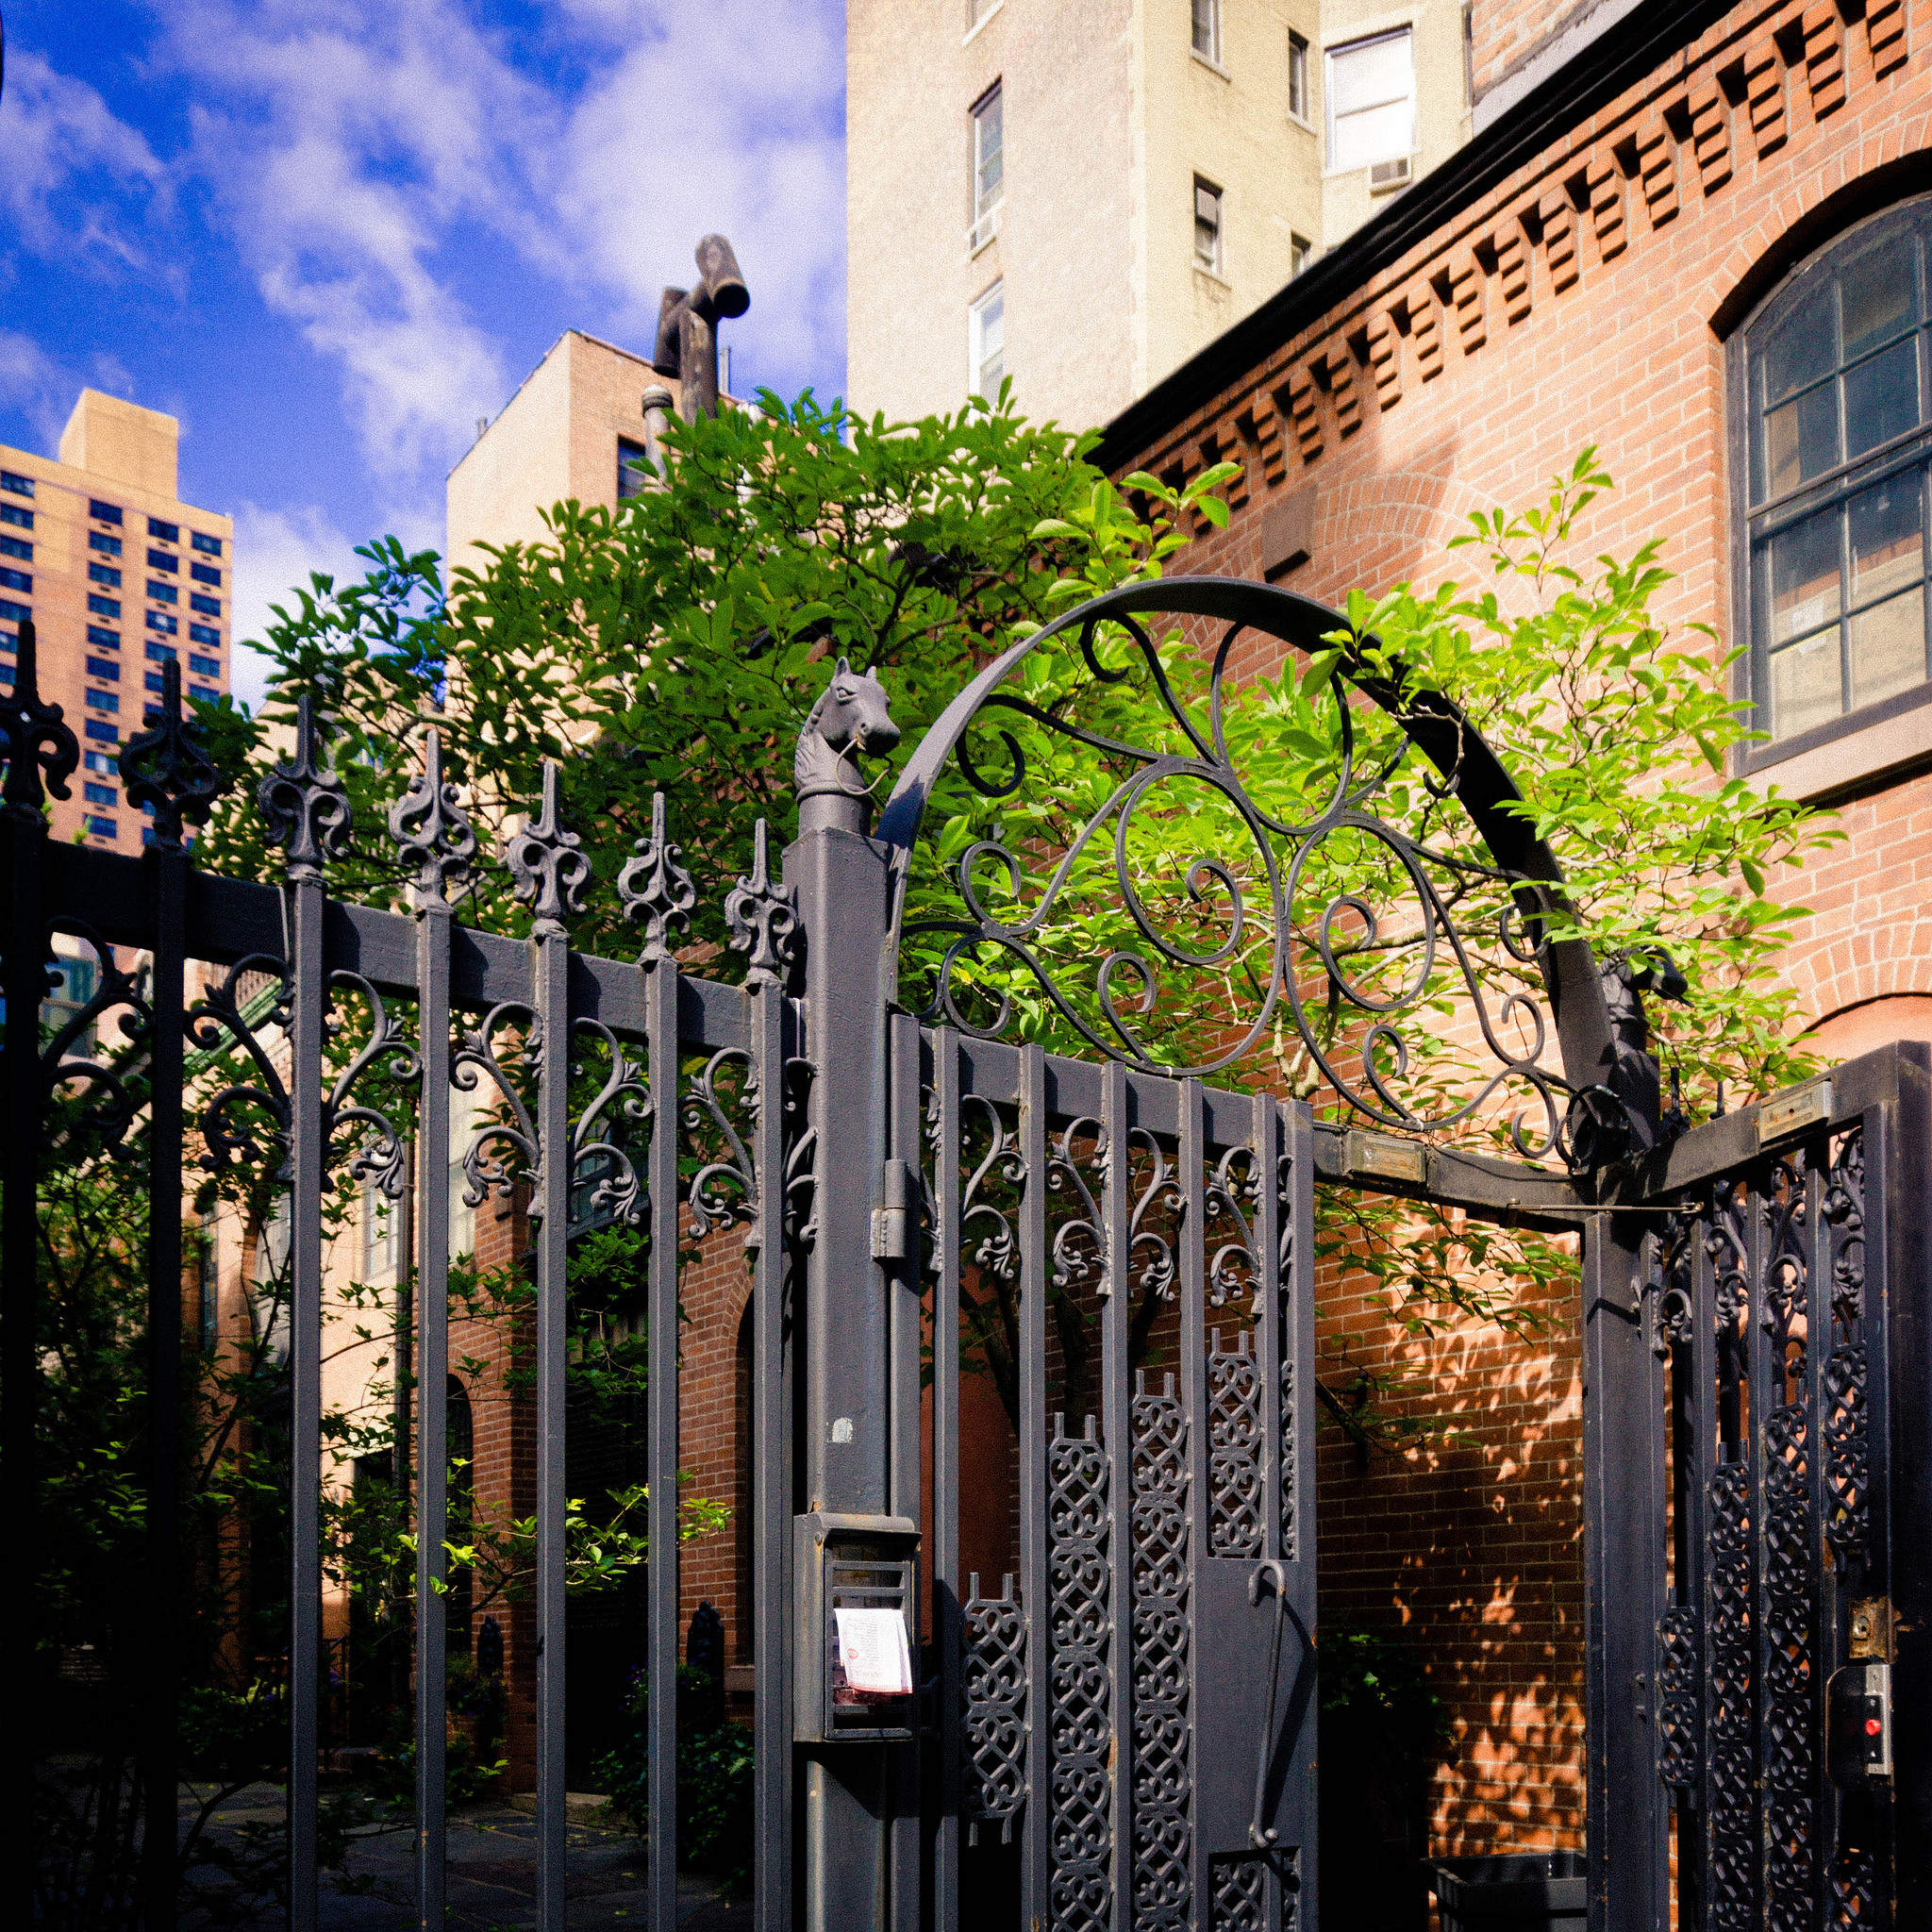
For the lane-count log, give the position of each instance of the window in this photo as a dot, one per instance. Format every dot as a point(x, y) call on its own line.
point(160, 560)
point(634, 476)
point(21, 486)
point(1207, 30)
point(12, 513)
point(1833, 378)
point(161, 654)
point(1206, 226)
point(17, 546)
point(17, 580)
point(989, 168)
point(108, 546)
point(167, 533)
point(203, 635)
point(15, 613)
point(987, 342)
point(104, 606)
point(1299, 251)
point(102, 733)
point(205, 573)
point(208, 1254)
point(204, 693)
point(382, 1225)
point(107, 640)
point(103, 512)
point(204, 667)
point(153, 681)
point(160, 620)
point(208, 546)
point(1298, 77)
point(209, 607)
point(103, 700)
point(107, 671)
point(100, 794)
point(100, 828)
point(104, 573)
point(1371, 94)
point(103, 762)
point(163, 593)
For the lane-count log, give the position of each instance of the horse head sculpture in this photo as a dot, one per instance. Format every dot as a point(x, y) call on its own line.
point(850, 720)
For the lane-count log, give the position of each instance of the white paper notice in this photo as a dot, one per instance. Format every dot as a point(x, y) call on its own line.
point(873, 1648)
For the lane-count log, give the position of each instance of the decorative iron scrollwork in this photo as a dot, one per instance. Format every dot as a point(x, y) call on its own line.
point(597, 1146)
point(762, 916)
point(111, 1107)
point(40, 747)
point(1080, 1725)
point(1847, 1420)
point(1731, 1741)
point(1162, 1625)
point(432, 832)
point(995, 1710)
point(167, 769)
point(1241, 1894)
point(512, 1134)
point(1286, 915)
point(303, 803)
point(246, 1123)
point(656, 888)
point(725, 1189)
point(1234, 1447)
point(1679, 1703)
point(547, 867)
point(379, 1159)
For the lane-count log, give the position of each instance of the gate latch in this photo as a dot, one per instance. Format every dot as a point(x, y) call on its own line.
point(891, 1224)
point(1261, 1835)
point(1858, 1724)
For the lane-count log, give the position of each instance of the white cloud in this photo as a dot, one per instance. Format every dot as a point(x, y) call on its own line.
point(35, 383)
point(276, 552)
point(77, 177)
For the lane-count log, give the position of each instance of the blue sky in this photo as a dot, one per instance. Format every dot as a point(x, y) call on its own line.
point(330, 234)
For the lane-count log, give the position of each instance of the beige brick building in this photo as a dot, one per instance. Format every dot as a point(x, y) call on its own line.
point(1079, 196)
point(120, 576)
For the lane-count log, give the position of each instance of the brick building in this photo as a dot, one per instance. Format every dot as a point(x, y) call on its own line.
point(1692, 235)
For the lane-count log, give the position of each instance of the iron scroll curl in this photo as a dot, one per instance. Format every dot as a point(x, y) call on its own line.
point(1268, 879)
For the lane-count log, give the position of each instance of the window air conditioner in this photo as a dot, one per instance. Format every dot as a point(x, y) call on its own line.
point(1384, 175)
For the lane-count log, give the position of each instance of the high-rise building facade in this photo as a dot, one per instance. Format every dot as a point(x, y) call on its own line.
point(1080, 196)
point(119, 578)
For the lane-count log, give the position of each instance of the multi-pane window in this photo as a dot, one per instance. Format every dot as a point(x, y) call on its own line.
point(160, 560)
point(1836, 374)
point(103, 761)
point(161, 654)
point(1206, 226)
point(208, 546)
point(107, 671)
point(167, 533)
point(107, 546)
point(204, 667)
point(205, 573)
point(103, 512)
point(986, 334)
point(163, 593)
point(100, 794)
point(988, 173)
point(1207, 29)
point(104, 573)
point(209, 607)
point(160, 620)
point(12, 513)
point(107, 640)
point(21, 486)
point(1298, 77)
point(382, 1226)
point(17, 546)
point(103, 606)
point(17, 580)
point(203, 635)
point(1370, 96)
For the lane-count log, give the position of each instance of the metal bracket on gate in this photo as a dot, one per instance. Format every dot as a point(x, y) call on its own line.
point(891, 1224)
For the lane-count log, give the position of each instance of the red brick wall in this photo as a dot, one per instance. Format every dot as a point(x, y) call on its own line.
point(1582, 300)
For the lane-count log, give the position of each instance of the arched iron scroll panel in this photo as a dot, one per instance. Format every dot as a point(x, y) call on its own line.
point(1603, 1121)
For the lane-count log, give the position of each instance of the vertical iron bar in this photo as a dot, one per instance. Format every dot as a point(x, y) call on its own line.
point(159, 1743)
point(1267, 1144)
point(1303, 1510)
point(1117, 1426)
point(771, 1498)
point(25, 835)
point(1825, 1590)
point(431, 1258)
point(1194, 1385)
point(947, 1593)
point(661, 1019)
point(1036, 1824)
point(307, 996)
point(904, 1487)
point(1759, 1400)
point(402, 1412)
point(1699, 1405)
point(552, 973)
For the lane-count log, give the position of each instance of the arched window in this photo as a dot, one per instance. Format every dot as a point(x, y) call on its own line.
point(1830, 384)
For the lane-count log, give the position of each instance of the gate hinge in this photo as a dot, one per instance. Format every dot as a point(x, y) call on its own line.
point(891, 1224)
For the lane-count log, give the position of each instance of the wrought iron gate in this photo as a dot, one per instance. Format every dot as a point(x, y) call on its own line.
point(1132, 1706)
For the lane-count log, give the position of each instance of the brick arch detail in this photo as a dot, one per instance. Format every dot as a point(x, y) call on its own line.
point(1863, 964)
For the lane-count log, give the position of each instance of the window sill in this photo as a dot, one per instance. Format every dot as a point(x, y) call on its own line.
point(974, 32)
point(1883, 742)
point(1294, 120)
point(1212, 66)
point(1208, 274)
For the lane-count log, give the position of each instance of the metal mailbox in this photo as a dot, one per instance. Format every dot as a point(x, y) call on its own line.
point(851, 1563)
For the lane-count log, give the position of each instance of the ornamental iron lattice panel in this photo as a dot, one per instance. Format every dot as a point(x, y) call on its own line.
point(1773, 1289)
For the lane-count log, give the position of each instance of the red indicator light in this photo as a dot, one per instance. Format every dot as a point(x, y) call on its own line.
point(1872, 1727)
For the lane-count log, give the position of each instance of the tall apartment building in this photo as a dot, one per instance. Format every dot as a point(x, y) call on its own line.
point(119, 578)
point(1080, 196)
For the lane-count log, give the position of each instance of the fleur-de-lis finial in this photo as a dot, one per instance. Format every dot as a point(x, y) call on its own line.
point(34, 740)
point(546, 861)
point(169, 769)
point(656, 888)
point(763, 916)
point(304, 803)
point(431, 829)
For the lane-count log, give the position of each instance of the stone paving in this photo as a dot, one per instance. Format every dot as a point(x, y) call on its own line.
point(492, 1875)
